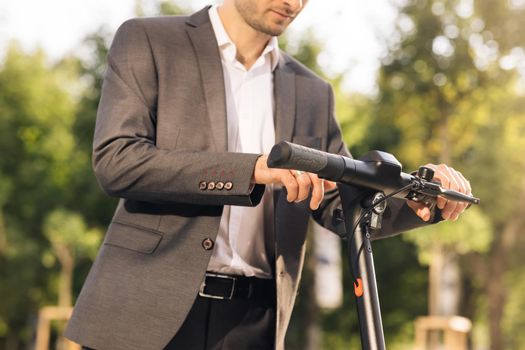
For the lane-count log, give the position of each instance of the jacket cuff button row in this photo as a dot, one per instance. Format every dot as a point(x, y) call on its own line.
point(210, 186)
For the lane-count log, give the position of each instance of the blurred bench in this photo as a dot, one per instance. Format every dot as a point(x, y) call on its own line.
point(442, 332)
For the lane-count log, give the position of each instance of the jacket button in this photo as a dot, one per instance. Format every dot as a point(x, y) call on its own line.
point(211, 185)
point(228, 186)
point(203, 185)
point(219, 185)
point(208, 244)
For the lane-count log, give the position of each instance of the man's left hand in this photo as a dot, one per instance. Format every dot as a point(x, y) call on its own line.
point(450, 179)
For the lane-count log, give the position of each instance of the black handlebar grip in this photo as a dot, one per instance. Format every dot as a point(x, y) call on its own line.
point(287, 155)
point(460, 197)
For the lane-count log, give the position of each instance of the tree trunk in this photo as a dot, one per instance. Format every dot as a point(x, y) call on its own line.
point(3, 234)
point(444, 288)
point(67, 261)
point(11, 341)
point(65, 297)
point(65, 285)
point(444, 272)
point(496, 290)
point(444, 283)
point(505, 237)
point(434, 279)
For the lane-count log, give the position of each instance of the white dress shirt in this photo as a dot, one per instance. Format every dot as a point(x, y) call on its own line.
point(240, 245)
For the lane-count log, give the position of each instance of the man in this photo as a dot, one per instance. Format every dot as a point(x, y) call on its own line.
point(200, 253)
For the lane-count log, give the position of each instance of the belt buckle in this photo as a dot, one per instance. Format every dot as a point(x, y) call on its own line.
point(202, 293)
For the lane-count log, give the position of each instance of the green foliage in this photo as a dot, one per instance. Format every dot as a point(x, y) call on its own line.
point(67, 230)
point(474, 234)
point(447, 93)
point(162, 7)
point(439, 103)
point(88, 199)
point(353, 113)
point(514, 320)
point(167, 7)
point(43, 167)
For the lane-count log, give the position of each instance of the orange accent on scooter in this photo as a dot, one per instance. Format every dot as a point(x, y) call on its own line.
point(358, 287)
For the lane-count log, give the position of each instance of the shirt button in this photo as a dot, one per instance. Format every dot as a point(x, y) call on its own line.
point(219, 185)
point(208, 244)
point(203, 185)
point(228, 186)
point(211, 185)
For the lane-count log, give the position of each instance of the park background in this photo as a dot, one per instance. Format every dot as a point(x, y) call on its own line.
point(448, 85)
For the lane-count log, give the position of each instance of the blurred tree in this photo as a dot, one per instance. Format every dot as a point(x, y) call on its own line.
point(439, 70)
point(96, 207)
point(446, 87)
point(36, 166)
point(69, 239)
point(45, 165)
point(161, 8)
point(171, 8)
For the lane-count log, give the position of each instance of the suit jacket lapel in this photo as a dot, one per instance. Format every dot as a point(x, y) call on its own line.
point(284, 101)
point(200, 32)
point(284, 86)
point(203, 39)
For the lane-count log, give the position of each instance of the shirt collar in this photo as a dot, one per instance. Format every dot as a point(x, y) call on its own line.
point(228, 47)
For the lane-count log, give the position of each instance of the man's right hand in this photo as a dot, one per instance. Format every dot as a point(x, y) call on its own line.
point(298, 184)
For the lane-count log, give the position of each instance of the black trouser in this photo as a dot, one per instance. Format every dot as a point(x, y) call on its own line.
point(237, 324)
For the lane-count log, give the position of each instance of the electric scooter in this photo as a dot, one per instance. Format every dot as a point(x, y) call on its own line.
point(364, 186)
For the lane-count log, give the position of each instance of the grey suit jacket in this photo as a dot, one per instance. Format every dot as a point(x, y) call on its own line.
point(160, 133)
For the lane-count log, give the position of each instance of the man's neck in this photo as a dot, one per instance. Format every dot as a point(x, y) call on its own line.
point(249, 42)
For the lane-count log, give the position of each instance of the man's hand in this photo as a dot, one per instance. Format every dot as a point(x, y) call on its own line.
point(451, 180)
point(298, 184)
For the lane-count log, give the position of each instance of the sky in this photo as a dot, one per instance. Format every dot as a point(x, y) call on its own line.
point(350, 30)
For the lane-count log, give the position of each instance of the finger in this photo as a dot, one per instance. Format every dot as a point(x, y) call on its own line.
point(317, 191)
point(466, 183)
point(452, 184)
point(290, 183)
point(305, 184)
point(463, 187)
point(445, 183)
point(468, 189)
point(420, 209)
point(329, 185)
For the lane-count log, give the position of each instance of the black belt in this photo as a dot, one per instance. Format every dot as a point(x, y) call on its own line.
point(226, 287)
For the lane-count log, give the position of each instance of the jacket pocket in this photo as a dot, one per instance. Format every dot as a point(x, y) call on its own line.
point(128, 236)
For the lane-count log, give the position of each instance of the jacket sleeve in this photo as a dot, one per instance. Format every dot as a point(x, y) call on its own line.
point(397, 218)
point(126, 161)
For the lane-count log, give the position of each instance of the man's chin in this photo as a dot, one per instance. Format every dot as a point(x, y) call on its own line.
point(270, 26)
point(274, 30)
